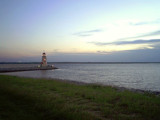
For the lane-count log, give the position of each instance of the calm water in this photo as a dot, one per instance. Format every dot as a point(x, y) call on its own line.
point(139, 76)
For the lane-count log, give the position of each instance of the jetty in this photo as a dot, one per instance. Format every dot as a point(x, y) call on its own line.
point(43, 66)
point(2, 70)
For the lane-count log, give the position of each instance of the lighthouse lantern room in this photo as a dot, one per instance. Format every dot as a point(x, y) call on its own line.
point(44, 60)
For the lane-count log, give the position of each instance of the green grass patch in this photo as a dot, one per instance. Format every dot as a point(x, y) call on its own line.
point(44, 99)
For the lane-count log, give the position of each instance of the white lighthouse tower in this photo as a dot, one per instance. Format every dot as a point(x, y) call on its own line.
point(44, 60)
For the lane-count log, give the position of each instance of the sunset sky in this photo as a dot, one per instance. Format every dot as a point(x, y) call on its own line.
point(80, 30)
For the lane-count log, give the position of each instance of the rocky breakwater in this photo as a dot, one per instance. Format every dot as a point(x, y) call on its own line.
point(17, 69)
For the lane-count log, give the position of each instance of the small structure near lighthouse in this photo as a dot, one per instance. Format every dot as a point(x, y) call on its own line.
point(44, 60)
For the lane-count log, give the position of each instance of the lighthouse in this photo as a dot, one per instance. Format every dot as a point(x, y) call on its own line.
point(44, 60)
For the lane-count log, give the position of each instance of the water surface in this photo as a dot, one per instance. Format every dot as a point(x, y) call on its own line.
point(144, 76)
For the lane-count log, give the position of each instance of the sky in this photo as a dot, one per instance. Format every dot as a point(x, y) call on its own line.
point(80, 30)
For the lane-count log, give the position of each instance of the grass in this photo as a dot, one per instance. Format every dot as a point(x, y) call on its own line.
point(42, 99)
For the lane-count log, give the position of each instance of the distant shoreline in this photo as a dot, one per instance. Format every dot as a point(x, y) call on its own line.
point(79, 62)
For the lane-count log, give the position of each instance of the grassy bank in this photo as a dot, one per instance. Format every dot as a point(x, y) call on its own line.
point(41, 99)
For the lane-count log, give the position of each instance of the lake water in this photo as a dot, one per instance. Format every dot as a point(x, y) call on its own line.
point(144, 76)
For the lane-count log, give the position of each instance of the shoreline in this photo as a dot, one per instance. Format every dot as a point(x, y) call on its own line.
point(157, 93)
point(113, 86)
point(36, 98)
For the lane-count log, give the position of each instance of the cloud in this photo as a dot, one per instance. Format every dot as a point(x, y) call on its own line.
point(146, 22)
point(139, 55)
point(103, 52)
point(127, 42)
point(152, 33)
point(144, 35)
point(143, 55)
point(87, 33)
point(84, 35)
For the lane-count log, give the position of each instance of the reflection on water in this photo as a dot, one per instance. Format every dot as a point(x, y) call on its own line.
point(138, 76)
